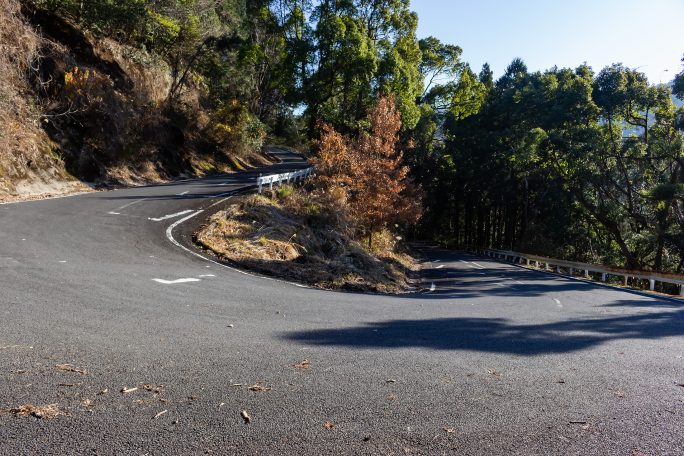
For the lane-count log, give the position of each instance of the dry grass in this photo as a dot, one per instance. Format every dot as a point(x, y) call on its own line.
point(37, 411)
point(302, 236)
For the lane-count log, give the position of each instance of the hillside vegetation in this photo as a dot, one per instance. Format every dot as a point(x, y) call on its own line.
point(108, 92)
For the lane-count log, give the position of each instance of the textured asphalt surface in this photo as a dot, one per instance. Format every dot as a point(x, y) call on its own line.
point(496, 360)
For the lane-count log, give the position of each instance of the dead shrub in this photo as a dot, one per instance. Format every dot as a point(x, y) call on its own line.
point(37, 411)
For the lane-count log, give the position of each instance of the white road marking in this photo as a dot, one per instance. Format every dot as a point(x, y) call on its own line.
point(440, 266)
point(500, 284)
point(479, 266)
point(518, 282)
point(207, 275)
point(159, 219)
point(170, 282)
point(127, 205)
point(432, 286)
point(62, 261)
point(558, 302)
point(116, 211)
point(436, 261)
point(181, 194)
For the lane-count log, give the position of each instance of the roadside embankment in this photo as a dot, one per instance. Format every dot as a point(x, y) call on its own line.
point(297, 235)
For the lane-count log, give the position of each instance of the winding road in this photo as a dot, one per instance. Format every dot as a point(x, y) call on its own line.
point(103, 292)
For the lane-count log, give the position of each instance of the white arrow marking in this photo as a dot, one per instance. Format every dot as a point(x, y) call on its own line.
point(159, 219)
point(171, 282)
point(181, 194)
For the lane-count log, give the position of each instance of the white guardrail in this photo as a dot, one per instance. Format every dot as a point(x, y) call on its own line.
point(294, 176)
point(587, 268)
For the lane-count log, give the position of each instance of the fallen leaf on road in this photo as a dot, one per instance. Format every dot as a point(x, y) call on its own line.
point(87, 402)
point(305, 364)
point(70, 368)
point(391, 397)
point(449, 430)
point(38, 411)
point(159, 414)
point(560, 381)
point(494, 372)
point(104, 391)
point(390, 380)
point(245, 416)
point(328, 425)
point(129, 390)
point(222, 404)
point(258, 387)
point(156, 389)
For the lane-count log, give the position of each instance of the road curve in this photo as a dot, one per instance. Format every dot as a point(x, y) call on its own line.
point(496, 359)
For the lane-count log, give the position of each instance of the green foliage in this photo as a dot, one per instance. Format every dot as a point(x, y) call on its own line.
point(564, 163)
point(284, 192)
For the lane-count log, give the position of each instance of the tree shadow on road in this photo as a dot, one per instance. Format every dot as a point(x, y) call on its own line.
point(497, 335)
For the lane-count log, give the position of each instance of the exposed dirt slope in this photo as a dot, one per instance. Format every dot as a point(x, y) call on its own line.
point(27, 163)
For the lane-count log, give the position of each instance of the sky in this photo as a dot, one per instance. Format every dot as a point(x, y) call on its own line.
point(648, 35)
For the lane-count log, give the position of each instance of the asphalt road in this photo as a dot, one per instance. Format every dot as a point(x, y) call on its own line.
point(496, 360)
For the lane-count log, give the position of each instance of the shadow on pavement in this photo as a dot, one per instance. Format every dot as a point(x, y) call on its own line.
point(498, 335)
